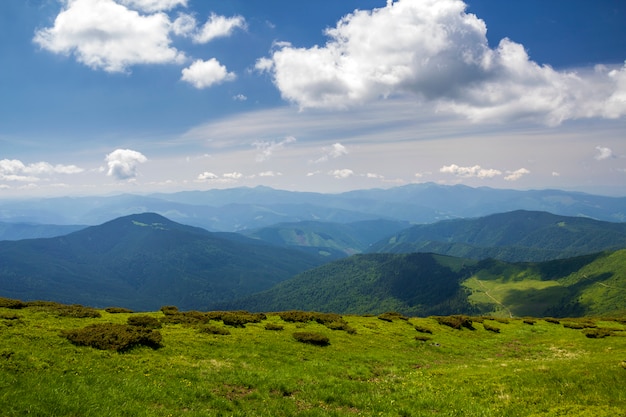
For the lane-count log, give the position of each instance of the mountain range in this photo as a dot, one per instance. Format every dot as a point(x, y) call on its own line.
point(145, 261)
point(243, 208)
point(358, 252)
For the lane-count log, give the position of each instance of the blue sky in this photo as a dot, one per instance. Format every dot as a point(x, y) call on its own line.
point(112, 96)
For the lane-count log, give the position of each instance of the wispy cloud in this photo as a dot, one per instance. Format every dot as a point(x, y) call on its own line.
point(516, 175)
point(331, 152)
point(265, 149)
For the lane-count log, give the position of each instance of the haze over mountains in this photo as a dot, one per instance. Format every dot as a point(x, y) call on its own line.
point(251, 208)
point(290, 249)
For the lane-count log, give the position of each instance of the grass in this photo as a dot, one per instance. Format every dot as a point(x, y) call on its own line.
point(380, 368)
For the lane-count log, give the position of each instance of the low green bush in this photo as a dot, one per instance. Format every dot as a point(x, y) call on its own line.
point(456, 322)
point(423, 329)
point(11, 303)
point(296, 316)
point(76, 311)
point(191, 318)
point(391, 316)
point(579, 324)
point(422, 338)
point(241, 318)
point(491, 328)
point(274, 326)
point(169, 310)
point(552, 320)
point(110, 336)
point(148, 322)
point(210, 329)
point(597, 333)
point(312, 338)
point(529, 321)
point(117, 310)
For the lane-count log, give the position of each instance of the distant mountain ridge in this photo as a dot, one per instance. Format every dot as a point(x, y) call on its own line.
point(142, 262)
point(243, 208)
point(515, 236)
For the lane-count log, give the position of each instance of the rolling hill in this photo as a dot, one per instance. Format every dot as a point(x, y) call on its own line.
point(143, 262)
point(346, 238)
point(421, 284)
point(513, 236)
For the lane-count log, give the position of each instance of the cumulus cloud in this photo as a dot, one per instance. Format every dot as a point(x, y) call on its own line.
point(123, 163)
point(218, 26)
point(270, 174)
point(233, 175)
point(266, 149)
point(203, 74)
point(16, 170)
point(516, 175)
point(475, 171)
point(342, 173)
point(103, 34)
point(603, 153)
point(434, 50)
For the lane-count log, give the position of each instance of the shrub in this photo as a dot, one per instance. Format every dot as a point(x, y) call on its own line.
point(109, 336)
point(210, 329)
point(580, 324)
point(341, 325)
point(597, 333)
point(117, 310)
point(144, 321)
point(188, 317)
point(296, 316)
point(422, 338)
point(490, 328)
point(423, 329)
point(529, 321)
point(327, 318)
point(456, 322)
point(552, 320)
point(274, 326)
point(312, 338)
point(241, 318)
point(391, 316)
point(11, 303)
point(169, 310)
point(76, 311)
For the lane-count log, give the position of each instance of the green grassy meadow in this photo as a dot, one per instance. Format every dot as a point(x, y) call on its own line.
point(372, 367)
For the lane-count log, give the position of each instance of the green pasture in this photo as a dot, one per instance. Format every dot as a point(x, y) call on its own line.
point(373, 366)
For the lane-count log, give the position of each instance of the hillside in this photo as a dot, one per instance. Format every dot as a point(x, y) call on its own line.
point(427, 284)
point(143, 262)
point(414, 284)
point(513, 236)
point(198, 365)
point(18, 231)
point(347, 239)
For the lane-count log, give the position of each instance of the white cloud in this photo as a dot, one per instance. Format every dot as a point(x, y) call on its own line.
point(516, 175)
point(16, 170)
point(270, 174)
point(123, 163)
point(184, 24)
point(470, 172)
point(435, 51)
point(342, 173)
point(240, 97)
point(555, 174)
point(207, 176)
point(203, 74)
point(374, 175)
point(604, 153)
point(218, 26)
point(151, 6)
point(233, 175)
point(334, 151)
point(267, 148)
point(103, 34)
